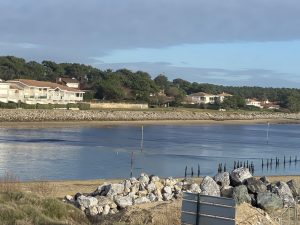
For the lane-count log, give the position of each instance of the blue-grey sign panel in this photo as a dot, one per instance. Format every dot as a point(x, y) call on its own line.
point(209, 209)
point(189, 219)
point(210, 199)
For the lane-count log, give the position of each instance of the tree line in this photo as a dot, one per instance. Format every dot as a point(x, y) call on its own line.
point(126, 85)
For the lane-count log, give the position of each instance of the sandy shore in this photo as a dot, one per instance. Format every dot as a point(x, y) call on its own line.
point(70, 124)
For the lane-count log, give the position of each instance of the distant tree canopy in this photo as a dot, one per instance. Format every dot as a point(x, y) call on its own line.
point(138, 86)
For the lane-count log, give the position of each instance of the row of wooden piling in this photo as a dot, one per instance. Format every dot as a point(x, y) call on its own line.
point(268, 163)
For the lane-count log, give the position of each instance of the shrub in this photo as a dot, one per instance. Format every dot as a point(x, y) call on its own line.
point(44, 106)
point(84, 106)
point(9, 105)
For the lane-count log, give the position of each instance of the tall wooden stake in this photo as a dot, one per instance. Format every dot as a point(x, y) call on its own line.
point(131, 164)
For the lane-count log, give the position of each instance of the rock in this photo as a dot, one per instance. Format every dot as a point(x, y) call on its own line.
point(144, 178)
point(123, 201)
point(152, 197)
point(227, 191)
point(195, 188)
point(222, 179)
point(285, 193)
point(69, 198)
point(159, 186)
point(143, 193)
point(240, 194)
point(151, 187)
point(209, 187)
point(135, 188)
point(133, 180)
point(141, 200)
point(239, 176)
point(253, 200)
point(167, 196)
point(92, 211)
point(101, 190)
point(265, 180)
point(106, 210)
point(114, 189)
point(76, 196)
point(87, 202)
point(154, 179)
point(255, 186)
point(127, 184)
point(170, 181)
point(114, 211)
point(99, 209)
point(294, 187)
point(113, 205)
point(167, 190)
point(269, 201)
point(103, 200)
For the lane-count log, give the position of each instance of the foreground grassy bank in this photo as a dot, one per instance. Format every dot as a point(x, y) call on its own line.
point(39, 203)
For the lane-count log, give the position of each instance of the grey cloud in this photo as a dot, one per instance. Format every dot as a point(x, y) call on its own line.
point(248, 77)
point(75, 30)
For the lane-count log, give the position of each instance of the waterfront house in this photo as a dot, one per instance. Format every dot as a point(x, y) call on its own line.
point(253, 102)
point(42, 92)
point(4, 92)
point(205, 98)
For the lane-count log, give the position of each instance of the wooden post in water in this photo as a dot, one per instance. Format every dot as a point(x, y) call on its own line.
point(142, 139)
point(192, 172)
point(131, 164)
point(268, 133)
point(198, 170)
point(185, 172)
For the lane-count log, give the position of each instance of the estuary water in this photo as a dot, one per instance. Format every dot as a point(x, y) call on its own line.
point(105, 152)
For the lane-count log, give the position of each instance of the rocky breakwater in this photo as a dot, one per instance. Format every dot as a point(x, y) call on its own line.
point(239, 184)
point(27, 115)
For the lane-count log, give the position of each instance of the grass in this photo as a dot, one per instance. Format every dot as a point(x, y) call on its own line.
point(17, 208)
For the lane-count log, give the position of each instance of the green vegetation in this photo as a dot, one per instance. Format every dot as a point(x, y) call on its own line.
point(125, 85)
point(29, 209)
point(12, 105)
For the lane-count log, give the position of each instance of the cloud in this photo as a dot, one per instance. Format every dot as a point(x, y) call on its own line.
point(248, 77)
point(20, 45)
point(97, 27)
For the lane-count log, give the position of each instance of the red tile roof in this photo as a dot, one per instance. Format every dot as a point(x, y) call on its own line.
point(45, 84)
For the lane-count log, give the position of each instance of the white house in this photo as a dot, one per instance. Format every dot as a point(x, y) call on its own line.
point(42, 92)
point(4, 92)
point(204, 98)
point(254, 102)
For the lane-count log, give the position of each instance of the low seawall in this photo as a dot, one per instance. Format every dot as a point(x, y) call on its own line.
point(117, 106)
point(9, 115)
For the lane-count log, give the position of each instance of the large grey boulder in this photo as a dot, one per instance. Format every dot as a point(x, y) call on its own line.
point(167, 189)
point(240, 194)
point(209, 187)
point(285, 193)
point(87, 202)
point(239, 176)
point(269, 201)
point(255, 186)
point(150, 187)
point(227, 191)
point(101, 190)
point(114, 189)
point(265, 180)
point(154, 178)
point(123, 201)
point(222, 179)
point(294, 187)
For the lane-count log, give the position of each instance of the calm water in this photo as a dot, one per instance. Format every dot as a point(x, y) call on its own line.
point(104, 152)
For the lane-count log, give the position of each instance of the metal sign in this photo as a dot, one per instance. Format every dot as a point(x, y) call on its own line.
point(207, 210)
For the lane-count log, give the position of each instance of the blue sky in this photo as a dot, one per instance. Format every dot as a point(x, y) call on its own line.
point(232, 42)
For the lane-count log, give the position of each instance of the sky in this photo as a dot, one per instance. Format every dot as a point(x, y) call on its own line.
point(228, 42)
